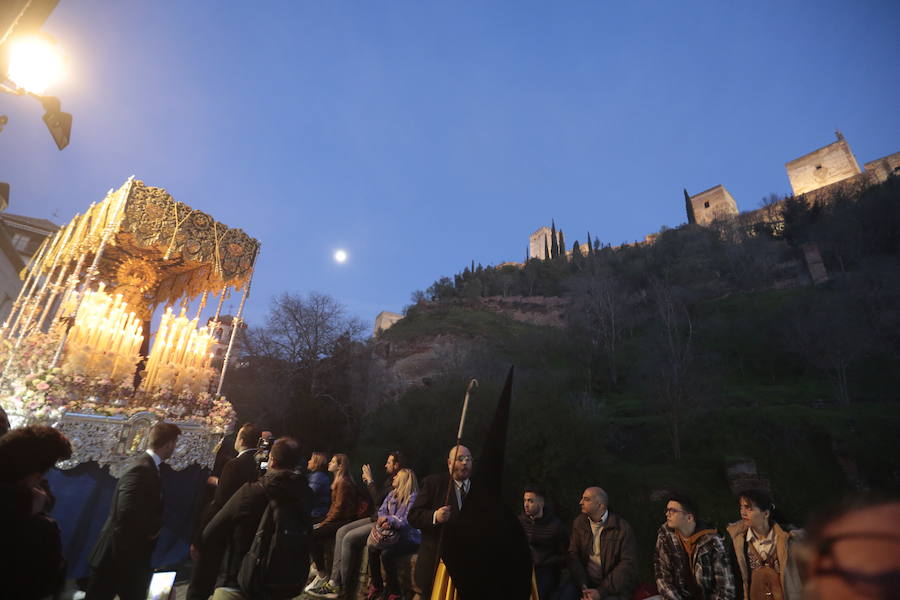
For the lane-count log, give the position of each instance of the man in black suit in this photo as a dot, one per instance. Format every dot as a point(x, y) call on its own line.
point(237, 471)
point(120, 561)
point(429, 512)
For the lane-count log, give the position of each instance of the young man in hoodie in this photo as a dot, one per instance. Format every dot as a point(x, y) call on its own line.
point(690, 560)
point(238, 520)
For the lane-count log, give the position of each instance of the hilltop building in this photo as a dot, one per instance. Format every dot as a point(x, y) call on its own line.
point(540, 241)
point(385, 320)
point(707, 206)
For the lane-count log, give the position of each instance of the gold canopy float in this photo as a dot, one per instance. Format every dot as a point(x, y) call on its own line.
point(76, 349)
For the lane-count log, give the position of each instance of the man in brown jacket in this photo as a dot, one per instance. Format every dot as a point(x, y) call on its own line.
point(602, 552)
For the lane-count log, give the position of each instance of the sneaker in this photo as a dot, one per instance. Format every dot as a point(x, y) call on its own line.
point(374, 593)
point(316, 582)
point(330, 590)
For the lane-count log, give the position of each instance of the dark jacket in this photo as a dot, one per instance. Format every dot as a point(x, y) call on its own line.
point(237, 522)
point(236, 472)
point(547, 538)
point(377, 496)
point(135, 516)
point(431, 497)
point(31, 562)
point(618, 555)
point(705, 575)
point(320, 484)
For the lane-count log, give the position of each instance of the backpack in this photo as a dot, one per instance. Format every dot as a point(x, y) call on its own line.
point(277, 563)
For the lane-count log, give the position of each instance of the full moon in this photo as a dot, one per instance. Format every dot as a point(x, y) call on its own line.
point(340, 256)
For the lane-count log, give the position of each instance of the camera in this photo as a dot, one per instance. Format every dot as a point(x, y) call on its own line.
point(263, 447)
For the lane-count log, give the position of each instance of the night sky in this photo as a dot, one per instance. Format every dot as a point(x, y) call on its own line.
point(419, 136)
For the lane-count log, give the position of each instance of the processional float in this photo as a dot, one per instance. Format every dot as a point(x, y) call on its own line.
point(77, 348)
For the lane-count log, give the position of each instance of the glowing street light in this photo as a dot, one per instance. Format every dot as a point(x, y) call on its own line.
point(35, 63)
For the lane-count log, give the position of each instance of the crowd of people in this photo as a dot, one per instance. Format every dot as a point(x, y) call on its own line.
point(267, 529)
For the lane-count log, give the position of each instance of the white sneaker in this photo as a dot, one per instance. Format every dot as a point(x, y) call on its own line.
point(319, 580)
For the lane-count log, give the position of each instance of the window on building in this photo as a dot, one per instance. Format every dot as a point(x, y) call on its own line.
point(818, 167)
point(20, 241)
point(706, 205)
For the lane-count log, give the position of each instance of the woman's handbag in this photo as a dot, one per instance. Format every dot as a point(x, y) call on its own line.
point(382, 537)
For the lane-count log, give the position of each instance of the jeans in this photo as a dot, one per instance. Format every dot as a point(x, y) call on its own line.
point(348, 544)
point(389, 557)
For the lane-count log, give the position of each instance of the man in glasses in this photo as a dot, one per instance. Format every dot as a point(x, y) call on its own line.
point(854, 552)
point(690, 560)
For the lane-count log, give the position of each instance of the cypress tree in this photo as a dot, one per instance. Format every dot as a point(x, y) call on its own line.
point(576, 252)
point(546, 250)
point(688, 207)
point(554, 243)
point(590, 244)
point(562, 244)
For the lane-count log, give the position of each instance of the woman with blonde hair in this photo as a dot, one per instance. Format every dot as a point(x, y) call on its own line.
point(344, 498)
point(392, 536)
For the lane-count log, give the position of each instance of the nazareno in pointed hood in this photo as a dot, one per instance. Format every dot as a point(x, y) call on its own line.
point(484, 548)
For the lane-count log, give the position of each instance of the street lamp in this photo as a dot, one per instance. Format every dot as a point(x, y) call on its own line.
point(33, 64)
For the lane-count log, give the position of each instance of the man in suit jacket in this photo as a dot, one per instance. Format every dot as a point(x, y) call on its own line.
point(429, 512)
point(120, 562)
point(241, 469)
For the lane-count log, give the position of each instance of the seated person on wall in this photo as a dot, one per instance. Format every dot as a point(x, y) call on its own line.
point(547, 538)
point(853, 551)
point(351, 538)
point(394, 536)
point(764, 551)
point(31, 559)
point(344, 502)
point(237, 522)
point(320, 484)
point(691, 560)
point(602, 552)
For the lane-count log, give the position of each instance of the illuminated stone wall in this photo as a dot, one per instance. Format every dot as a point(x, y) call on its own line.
point(712, 204)
point(825, 166)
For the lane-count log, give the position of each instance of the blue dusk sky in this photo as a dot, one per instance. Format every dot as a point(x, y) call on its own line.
point(422, 135)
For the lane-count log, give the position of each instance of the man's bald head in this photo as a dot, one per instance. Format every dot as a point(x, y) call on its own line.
point(594, 502)
point(459, 462)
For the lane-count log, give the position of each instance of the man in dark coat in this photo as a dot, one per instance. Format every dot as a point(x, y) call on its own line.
point(239, 470)
point(547, 538)
point(120, 562)
point(602, 552)
point(430, 512)
point(236, 523)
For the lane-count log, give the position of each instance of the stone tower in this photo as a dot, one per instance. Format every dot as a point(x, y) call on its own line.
point(835, 162)
point(541, 240)
point(709, 205)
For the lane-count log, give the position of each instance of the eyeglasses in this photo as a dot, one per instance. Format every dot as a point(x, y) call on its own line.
point(672, 511)
point(824, 557)
point(463, 459)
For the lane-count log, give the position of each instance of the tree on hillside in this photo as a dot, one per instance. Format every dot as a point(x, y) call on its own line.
point(590, 245)
point(554, 242)
point(562, 244)
point(601, 312)
point(674, 345)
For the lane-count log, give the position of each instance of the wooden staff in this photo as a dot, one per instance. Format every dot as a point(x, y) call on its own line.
point(462, 421)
